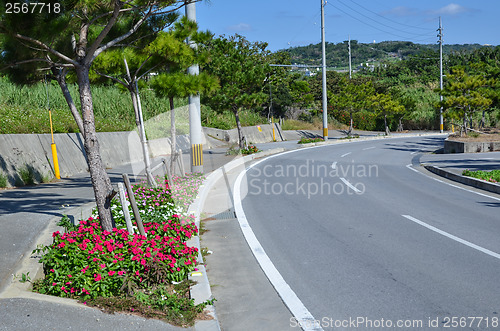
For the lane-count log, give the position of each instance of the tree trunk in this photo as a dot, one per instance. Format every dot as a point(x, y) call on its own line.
point(103, 191)
point(173, 140)
point(400, 125)
point(351, 126)
point(385, 125)
point(483, 120)
point(241, 138)
point(61, 79)
point(465, 124)
point(134, 92)
point(133, 95)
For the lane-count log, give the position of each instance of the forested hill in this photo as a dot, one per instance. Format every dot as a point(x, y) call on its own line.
point(337, 55)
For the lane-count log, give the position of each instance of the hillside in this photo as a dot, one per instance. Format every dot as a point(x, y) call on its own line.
point(337, 55)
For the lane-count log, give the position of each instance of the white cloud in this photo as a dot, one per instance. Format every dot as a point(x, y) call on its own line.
point(240, 27)
point(401, 11)
point(452, 9)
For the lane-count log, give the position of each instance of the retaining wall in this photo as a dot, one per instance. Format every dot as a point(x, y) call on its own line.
point(19, 151)
point(253, 134)
point(453, 146)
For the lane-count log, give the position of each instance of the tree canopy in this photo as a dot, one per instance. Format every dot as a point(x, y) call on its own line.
point(71, 38)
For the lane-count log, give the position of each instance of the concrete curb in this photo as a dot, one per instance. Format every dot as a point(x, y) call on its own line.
point(477, 183)
point(29, 264)
point(201, 291)
point(343, 140)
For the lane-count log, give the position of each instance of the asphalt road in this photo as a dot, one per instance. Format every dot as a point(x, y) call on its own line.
point(359, 235)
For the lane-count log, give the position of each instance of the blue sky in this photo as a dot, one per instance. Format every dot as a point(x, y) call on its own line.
point(288, 23)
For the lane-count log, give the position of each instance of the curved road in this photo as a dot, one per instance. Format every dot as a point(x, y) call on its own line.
point(366, 241)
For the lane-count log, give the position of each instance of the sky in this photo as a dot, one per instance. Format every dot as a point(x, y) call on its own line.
point(290, 23)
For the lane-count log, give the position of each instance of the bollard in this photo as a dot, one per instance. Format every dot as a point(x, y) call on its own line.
point(57, 173)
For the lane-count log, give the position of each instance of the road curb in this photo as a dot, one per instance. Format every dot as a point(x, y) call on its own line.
point(201, 291)
point(30, 264)
point(477, 183)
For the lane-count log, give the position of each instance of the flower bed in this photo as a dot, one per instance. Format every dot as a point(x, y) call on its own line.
point(90, 264)
point(489, 176)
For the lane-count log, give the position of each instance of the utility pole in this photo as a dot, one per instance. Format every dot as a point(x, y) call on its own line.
point(195, 130)
point(440, 35)
point(325, 115)
point(350, 67)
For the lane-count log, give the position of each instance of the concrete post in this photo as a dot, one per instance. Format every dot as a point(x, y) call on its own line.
point(195, 130)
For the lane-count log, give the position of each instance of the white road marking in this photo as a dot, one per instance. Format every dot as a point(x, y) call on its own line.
point(365, 149)
point(291, 300)
point(409, 166)
point(334, 165)
point(350, 185)
point(345, 154)
point(414, 152)
point(446, 234)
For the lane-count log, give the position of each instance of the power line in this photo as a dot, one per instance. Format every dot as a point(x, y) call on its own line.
point(390, 20)
point(302, 28)
point(371, 19)
point(375, 27)
point(357, 19)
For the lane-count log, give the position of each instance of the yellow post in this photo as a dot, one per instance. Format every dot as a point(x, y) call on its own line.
point(54, 150)
point(441, 127)
point(272, 123)
point(452, 128)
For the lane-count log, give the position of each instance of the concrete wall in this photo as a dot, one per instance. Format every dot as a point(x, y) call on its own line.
point(253, 134)
point(18, 151)
point(452, 146)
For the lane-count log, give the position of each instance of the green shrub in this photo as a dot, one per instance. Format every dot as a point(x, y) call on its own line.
point(490, 176)
point(304, 140)
point(27, 175)
point(3, 180)
point(362, 120)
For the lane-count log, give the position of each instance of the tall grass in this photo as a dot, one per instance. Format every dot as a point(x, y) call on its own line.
point(24, 109)
point(226, 120)
point(315, 124)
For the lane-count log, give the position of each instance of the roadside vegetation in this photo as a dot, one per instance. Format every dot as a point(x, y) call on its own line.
point(121, 272)
point(410, 87)
point(490, 176)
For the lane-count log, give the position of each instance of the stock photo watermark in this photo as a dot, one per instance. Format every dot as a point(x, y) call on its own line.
point(310, 179)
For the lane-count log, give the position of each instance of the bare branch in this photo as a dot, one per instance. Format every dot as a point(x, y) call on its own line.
point(150, 13)
point(112, 78)
point(123, 10)
point(46, 48)
point(92, 52)
point(151, 69)
point(142, 65)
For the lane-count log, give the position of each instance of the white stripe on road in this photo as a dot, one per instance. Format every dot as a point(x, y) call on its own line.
point(345, 154)
point(409, 166)
point(365, 149)
point(301, 314)
point(460, 240)
point(350, 185)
